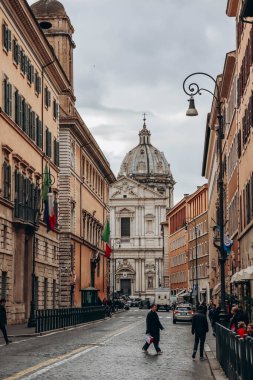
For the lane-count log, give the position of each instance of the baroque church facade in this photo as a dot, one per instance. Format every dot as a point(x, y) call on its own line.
point(138, 203)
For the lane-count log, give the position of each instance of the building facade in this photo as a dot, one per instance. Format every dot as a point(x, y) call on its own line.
point(85, 176)
point(138, 202)
point(31, 83)
point(198, 243)
point(178, 269)
point(243, 75)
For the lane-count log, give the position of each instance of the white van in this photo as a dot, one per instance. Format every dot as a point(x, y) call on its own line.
point(162, 298)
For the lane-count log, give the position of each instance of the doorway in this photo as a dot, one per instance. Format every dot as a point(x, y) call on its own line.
point(125, 287)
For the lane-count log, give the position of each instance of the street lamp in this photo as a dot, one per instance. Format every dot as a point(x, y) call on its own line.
point(192, 89)
point(196, 259)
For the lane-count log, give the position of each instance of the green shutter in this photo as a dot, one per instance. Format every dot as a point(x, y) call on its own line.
point(9, 40)
point(9, 99)
point(50, 144)
point(49, 99)
point(32, 73)
point(5, 95)
point(33, 133)
point(9, 181)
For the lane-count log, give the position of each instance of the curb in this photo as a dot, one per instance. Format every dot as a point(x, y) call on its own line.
point(214, 365)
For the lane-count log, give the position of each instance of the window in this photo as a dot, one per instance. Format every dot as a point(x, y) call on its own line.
point(55, 109)
point(48, 143)
point(6, 38)
point(125, 227)
point(23, 62)
point(7, 97)
point(6, 180)
point(56, 152)
point(37, 83)
point(16, 52)
point(39, 133)
point(30, 72)
point(45, 292)
point(54, 294)
point(47, 97)
point(3, 285)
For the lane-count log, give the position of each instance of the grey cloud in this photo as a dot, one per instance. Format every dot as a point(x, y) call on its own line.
point(132, 57)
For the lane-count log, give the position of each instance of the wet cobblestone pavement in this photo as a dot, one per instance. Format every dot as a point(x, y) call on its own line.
point(110, 349)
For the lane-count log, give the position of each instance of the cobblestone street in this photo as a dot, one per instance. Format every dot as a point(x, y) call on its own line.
point(107, 349)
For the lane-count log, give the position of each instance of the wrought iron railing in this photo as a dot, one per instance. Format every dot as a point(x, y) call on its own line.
point(235, 354)
point(53, 319)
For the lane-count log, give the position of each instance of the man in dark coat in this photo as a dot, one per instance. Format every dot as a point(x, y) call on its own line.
point(199, 328)
point(153, 329)
point(3, 320)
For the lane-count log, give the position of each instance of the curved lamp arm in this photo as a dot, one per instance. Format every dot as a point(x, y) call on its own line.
point(193, 88)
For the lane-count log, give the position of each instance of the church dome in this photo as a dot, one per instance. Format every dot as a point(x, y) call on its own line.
point(48, 8)
point(145, 161)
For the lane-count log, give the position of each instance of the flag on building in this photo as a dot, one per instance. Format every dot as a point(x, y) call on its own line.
point(106, 239)
point(48, 199)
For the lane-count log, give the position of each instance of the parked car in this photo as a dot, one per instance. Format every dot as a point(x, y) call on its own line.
point(144, 304)
point(183, 313)
point(134, 302)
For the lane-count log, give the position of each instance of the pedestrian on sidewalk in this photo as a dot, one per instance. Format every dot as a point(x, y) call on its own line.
point(153, 329)
point(212, 318)
point(3, 320)
point(199, 328)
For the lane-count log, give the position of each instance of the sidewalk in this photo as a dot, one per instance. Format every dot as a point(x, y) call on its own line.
point(22, 331)
point(19, 331)
point(210, 350)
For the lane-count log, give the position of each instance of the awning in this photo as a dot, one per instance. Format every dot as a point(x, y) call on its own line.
point(244, 275)
point(247, 273)
point(216, 289)
point(237, 277)
point(181, 293)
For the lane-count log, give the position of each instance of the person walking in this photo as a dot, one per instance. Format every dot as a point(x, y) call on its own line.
point(199, 328)
point(212, 318)
point(3, 320)
point(153, 329)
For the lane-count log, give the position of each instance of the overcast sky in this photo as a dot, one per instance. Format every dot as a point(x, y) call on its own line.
point(131, 57)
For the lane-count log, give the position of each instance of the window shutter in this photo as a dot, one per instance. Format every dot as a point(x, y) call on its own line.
point(49, 99)
point(3, 34)
point(33, 125)
point(39, 85)
point(50, 144)
point(41, 134)
point(9, 181)
point(32, 73)
point(20, 112)
point(23, 106)
point(10, 99)
point(16, 107)
point(5, 95)
point(9, 40)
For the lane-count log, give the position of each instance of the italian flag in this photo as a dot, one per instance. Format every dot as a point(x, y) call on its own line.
point(48, 199)
point(106, 239)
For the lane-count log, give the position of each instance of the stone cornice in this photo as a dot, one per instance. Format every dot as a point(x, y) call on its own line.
point(25, 20)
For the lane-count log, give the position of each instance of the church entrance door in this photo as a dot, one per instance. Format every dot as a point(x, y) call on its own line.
point(125, 287)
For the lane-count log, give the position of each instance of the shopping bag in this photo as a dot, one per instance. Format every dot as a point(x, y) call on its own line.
point(149, 339)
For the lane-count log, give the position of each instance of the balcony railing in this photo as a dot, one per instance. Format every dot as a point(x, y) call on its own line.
point(24, 213)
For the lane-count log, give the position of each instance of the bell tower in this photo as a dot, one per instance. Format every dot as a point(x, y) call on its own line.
point(57, 27)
